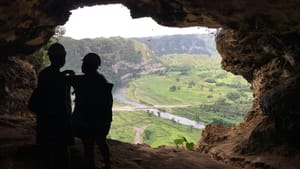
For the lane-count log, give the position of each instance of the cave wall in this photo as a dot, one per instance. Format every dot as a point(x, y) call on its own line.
point(259, 40)
point(32, 25)
point(270, 62)
point(17, 80)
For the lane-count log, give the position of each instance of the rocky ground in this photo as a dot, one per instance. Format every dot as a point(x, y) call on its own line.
point(18, 151)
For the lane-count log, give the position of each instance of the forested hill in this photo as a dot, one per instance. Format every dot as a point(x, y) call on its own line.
point(122, 59)
point(202, 44)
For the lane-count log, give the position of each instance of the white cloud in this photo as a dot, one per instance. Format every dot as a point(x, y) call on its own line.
point(115, 20)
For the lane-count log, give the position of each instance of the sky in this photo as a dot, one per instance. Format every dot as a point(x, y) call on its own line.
point(115, 20)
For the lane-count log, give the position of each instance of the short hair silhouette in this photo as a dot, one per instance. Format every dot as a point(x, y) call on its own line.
point(90, 63)
point(57, 54)
point(92, 59)
point(92, 114)
point(53, 112)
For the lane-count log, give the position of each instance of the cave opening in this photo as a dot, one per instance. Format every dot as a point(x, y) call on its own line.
point(188, 88)
point(259, 40)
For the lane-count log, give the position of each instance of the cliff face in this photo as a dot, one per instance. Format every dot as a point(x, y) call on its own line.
point(32, 25)
point(259, 40)
point(270, 62)
point(17, 79)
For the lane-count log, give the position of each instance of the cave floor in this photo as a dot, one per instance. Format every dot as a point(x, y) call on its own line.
point(123, 156)
point(18, 151)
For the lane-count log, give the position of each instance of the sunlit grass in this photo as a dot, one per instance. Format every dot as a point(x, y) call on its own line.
point(200, 94)
point(157, 131)
point(205, 83)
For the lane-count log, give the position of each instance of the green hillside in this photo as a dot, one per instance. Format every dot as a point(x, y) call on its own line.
point(199, 44)
point(122, 59)
point(125, 59)
point(195, 87)
point(155, 131)
point(185, 80)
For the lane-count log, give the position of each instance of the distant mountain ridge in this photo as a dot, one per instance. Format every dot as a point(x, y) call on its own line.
point(126, 58)
point(122, 59)
point(202, 44)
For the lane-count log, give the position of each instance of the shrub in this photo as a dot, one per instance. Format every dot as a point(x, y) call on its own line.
point(221, 122)
point(221, 84)
point(191, 84)
point(221, 75)
point(233, 96)
point(181, 141)
point(147, 134)
point(210, 80)
point(172, 88)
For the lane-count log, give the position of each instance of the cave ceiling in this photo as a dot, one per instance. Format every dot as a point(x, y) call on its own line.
point(27, 25)
point(259, 39)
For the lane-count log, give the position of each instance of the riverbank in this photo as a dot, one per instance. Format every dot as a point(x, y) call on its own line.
point(133, 106)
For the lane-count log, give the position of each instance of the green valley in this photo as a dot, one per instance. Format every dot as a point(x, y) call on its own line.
point(180, 75)
point(195, 87)
point(155, 131)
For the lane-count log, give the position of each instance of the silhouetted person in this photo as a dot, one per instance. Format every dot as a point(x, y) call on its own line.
point(93, 110)
point(53, 115)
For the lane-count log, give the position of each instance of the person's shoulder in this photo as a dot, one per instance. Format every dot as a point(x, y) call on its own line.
point(75, 76)
point(74, 79)
point(110, 86)
point(44, 72)
point(102, 78)
point(105, 81)
point(46, 69)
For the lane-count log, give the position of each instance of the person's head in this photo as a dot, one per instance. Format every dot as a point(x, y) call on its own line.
point(57, 55)
point(90, 63)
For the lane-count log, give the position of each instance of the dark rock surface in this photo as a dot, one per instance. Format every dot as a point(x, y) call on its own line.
point(259, 40)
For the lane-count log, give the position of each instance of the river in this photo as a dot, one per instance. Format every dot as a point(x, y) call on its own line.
point(119, 95)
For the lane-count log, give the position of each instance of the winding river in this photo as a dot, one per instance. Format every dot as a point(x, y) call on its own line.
point(119, 95)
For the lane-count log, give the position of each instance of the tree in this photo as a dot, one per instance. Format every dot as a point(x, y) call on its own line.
point(210, 80)
point(147, 134)
point(220, 101)
point(197, 117)
point(39, 59)
point(59, 32)
point(191, 84)
point(221, 122)
point(233, 96)
point(172, 88)
point(158, 114)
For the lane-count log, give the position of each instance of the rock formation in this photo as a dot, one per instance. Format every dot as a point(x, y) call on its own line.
point(259, 40)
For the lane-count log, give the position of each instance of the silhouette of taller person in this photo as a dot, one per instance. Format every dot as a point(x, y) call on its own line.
point(53, 130)
point(93, 110)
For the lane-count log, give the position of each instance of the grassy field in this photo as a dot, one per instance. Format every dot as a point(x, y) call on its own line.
point(194, 87)
point(156, 132)
point(209, 93)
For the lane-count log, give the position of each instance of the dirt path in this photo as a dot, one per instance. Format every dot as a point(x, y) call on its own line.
point(138, 139)
point(134, 108)
point(171, 106)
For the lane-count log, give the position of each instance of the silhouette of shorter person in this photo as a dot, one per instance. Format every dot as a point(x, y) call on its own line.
point(53, 112)
point(93, 110)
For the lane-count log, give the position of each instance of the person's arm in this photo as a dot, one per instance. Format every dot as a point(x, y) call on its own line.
point(73, 80)
point(69, 76)
point(68, 72)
